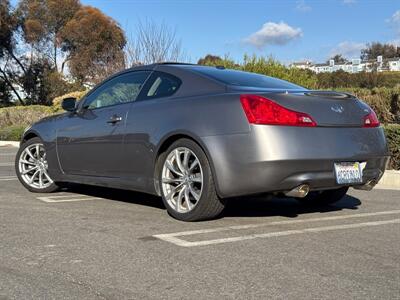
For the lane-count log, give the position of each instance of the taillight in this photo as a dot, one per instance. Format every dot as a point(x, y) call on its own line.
point(371, 120)
point(260, 110)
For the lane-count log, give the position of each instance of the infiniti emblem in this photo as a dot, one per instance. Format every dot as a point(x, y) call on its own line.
point(337, 108)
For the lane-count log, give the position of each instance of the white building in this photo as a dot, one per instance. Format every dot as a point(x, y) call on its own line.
point(354, 66)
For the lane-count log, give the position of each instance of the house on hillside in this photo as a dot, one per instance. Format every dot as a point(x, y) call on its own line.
point(354, 66)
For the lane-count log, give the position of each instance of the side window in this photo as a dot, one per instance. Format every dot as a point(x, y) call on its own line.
point(122, 89)
point(162, 85)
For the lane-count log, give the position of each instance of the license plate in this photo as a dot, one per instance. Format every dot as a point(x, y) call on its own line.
point(348, 172)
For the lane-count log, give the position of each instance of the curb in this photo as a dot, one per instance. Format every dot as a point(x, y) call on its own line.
point(9, 143)
point(389, 180)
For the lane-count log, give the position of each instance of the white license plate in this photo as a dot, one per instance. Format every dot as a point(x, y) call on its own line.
point(348, 172)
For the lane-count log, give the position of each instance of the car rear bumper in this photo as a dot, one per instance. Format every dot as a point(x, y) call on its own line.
point(277, 158)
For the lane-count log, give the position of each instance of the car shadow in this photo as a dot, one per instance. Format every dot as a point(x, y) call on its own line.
point(115, 194)
point(249, 206)
point(286, 207)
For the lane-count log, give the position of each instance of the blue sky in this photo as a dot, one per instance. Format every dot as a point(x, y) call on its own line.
point(286, 29)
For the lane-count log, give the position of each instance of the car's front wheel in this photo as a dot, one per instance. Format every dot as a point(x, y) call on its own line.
point(187, 185)
point(32, 168)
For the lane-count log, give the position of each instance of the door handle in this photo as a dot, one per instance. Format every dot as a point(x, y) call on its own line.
point(114, 119)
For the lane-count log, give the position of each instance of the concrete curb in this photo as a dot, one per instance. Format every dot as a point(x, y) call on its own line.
point(389, 180)
point(9, 143)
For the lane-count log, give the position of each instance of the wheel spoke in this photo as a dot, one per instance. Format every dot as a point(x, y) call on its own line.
point(28, 162)
point(186, 159)
point(178, 202)
point(28, 170)
point(193, 165)
point(171, 193)
point(37, 151)
point(197, 178)
point(30, 153)
point(40, 179)
point(172, 168)
point(33, 177)
point(194, 193)
point(178, 161)
point(47, 176)
point(171, 180)
point(189, 204)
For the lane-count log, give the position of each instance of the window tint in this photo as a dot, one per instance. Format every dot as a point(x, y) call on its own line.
point(240, 78)
point(121, 89)
point(162, 85)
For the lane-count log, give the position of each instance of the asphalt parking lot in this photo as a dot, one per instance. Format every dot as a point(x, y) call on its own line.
point(95, 243)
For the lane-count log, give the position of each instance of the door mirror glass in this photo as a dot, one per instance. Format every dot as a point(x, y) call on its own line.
point(69, 104)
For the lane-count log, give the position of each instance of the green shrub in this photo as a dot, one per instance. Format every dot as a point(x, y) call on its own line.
point(392, 132)
point(23, 115)
point(11, 133)
point(384, 101)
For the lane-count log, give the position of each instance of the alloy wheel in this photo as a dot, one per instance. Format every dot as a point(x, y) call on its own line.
point(182, 179)
point(33, 166)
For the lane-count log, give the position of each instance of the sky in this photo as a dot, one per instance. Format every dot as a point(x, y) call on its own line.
point(288, 30)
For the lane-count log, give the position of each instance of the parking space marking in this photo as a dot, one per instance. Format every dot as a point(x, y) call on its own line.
point(6, 164)
point(8, 178)
point(183, 243)
point(174, 237)
point(67, 198)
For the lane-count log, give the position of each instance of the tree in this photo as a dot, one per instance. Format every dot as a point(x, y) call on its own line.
point(5, 96)
point(153, 43)
point(209, 59)
point(375, 49)
point(94, 43)
point(8, 25)
point(339, 59)
point(42, 21)
point(40, 37)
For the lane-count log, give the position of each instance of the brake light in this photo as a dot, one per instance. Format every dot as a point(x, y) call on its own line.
point(371, 120)
point(260, 110)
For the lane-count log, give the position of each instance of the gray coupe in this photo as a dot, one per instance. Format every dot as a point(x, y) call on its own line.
point(197, 135)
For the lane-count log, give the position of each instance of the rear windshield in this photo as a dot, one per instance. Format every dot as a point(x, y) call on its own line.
point(240, 78)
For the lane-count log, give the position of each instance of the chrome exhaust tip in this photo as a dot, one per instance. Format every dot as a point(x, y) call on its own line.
point(299, 192)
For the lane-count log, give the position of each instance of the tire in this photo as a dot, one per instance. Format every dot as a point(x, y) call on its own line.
point(37, 168)
point(203, 203)
point(324, 197)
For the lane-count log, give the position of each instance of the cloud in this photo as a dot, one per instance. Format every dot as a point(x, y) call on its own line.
point(394, 22)
point(395, 18)
point(273, 34)
point(302, 6)
point(348, 49)
point(349, 2)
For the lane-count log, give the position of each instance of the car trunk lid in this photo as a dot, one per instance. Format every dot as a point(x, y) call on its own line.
point(325, 107)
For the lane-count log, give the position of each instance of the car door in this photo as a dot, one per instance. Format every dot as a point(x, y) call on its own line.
point(90, 141)
point(140, 127)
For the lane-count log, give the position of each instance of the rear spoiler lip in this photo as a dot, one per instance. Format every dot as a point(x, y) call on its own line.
point(330, 94)
point(313, 93)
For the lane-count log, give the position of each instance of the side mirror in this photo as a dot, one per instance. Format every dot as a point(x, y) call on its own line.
point(69, 104)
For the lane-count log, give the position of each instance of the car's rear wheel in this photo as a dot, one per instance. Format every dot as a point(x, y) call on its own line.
point(32, 168)
point(326, 197)
point(186, 182)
